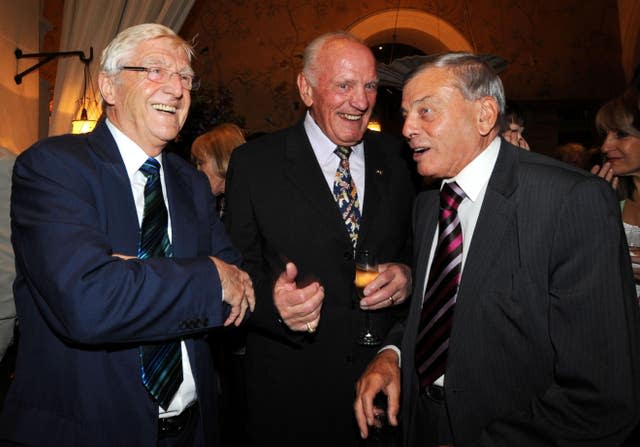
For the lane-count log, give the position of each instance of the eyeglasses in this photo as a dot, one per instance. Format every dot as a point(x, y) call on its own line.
point(162, 75)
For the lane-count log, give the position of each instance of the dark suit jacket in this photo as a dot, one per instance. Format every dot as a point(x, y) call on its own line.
point(279, 208)
point(544, 345)
point(83, 313)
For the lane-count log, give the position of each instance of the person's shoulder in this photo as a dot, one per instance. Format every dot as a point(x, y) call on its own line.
point(544, 164)
point(60, 147)
point(545, 173)
point(264, 147)
point(7, 159)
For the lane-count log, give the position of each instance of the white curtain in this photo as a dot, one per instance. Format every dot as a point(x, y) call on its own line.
point(94, 23)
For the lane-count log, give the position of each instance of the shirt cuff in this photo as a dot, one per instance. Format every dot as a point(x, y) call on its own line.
point(396, 350)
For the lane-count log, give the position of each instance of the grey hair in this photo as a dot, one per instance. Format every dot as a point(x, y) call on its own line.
point(310, 66)
point(473, 77)
point(126, 42)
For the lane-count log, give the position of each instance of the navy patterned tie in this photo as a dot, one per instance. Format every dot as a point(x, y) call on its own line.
point(161, 364)
point(346, 195)
point(432, 344)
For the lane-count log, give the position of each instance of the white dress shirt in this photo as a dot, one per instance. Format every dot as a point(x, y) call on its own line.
point(323, 149)
point(473, 180)
point(134, 157)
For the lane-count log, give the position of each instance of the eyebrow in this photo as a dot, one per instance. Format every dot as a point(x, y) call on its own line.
point(415, 102)
point(419, 100)
point(160, 63)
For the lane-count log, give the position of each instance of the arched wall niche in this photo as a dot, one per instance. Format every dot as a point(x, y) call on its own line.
point(414, 27)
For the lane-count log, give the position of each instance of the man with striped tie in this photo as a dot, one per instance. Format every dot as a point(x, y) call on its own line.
point(122, 268)
point(523, 328)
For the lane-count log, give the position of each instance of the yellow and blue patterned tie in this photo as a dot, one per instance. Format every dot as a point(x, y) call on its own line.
point(346, 195)
point(161, 368)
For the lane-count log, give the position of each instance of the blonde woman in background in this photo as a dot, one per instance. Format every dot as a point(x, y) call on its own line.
point(211, 152)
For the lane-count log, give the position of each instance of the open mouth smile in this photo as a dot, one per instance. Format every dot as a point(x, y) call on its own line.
point(164, 108)
point(350, 117)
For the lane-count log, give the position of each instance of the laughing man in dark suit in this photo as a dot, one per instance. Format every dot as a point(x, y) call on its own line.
point(302, 353)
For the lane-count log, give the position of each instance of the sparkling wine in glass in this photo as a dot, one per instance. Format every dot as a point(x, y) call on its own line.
point(366, 271)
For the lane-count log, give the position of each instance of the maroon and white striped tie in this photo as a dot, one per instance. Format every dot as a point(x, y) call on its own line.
point(432, 344)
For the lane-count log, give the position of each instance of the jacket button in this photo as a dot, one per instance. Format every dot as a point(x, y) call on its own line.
point(348, 255)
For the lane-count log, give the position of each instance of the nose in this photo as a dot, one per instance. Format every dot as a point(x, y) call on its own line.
point(173, 85)
point(609, 142)
point(408, 128)
point(359, 99)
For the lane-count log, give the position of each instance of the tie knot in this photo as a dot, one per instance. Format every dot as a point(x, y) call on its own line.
point(450, 196)
point(343, 152)
point(150, 168)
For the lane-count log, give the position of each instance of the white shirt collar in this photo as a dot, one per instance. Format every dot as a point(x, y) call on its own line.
point(475, 176)
point(322, 146)
point(132, 155)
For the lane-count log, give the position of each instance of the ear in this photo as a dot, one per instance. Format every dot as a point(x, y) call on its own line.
point(106, 84)
point(305, 90)
point(487, 109)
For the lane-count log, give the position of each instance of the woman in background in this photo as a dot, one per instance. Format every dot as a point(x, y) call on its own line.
point(211, 152)
point(619, 121)
point(514, 126)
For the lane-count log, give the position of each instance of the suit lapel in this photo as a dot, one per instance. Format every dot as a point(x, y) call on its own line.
point(122, 219)
point(426, 222)
point(498, 209)
point(181, 208)
point(303, 172)
point(375, 180)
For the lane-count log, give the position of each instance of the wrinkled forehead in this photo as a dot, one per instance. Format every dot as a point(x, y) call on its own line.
point(432, 84)
point(162, 51)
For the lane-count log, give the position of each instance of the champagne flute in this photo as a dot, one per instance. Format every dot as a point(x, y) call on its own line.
point(366, 271)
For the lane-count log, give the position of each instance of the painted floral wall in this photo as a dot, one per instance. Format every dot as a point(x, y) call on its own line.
point(557, 50)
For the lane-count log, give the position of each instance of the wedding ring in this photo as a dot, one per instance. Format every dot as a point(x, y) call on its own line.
point(392, 300)
point(310, 329)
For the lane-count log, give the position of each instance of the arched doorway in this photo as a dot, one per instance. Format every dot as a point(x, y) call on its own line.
point(413, 27)
point(402, 32)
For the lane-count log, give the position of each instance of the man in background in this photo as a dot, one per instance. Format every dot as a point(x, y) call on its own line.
point(298, 233)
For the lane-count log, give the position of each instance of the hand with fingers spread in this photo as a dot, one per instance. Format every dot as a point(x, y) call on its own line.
point(299, 307)
point(391, 287)
point(606, 172)
point(382, 375)
point(237, 290)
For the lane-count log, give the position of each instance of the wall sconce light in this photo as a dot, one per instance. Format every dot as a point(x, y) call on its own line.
point(47, 57)
point(82, 123)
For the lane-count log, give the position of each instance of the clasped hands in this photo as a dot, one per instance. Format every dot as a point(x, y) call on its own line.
point(238, 290)
point(236, 286)
point(299, 304)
